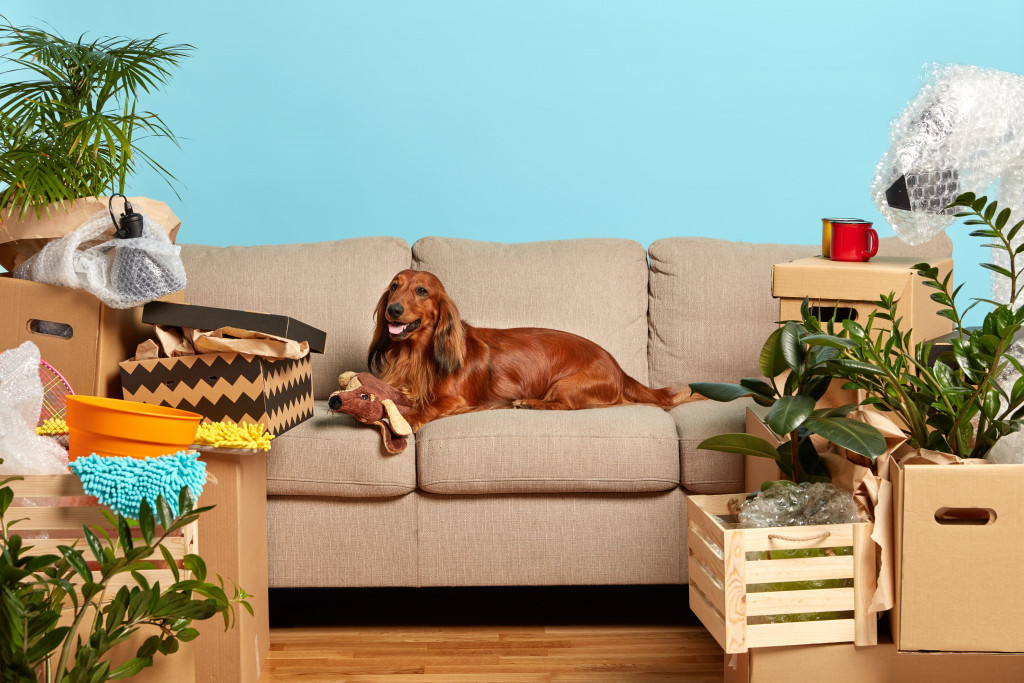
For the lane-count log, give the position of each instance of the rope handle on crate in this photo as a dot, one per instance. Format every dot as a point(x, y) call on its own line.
point(800, 539)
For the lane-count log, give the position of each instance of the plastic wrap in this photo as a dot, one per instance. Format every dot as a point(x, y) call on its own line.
point(963, 132)
point(806, 504)
point(122, 273)
point(21, 399)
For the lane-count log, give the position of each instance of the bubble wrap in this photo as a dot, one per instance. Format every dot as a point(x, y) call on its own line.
point(21, 399)
point(962, 132)
point(122, 273)
point(1009, 450)
point(785, 504)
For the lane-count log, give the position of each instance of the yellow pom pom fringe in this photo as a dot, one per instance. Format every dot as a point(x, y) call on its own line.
point(53, 426)
point(230, 435)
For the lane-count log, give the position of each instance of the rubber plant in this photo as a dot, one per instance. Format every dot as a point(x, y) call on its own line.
point(796, 361)
point(956, 403)
point(35, 589)
point(72, 127)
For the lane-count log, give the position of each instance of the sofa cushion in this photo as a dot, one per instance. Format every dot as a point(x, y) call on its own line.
point(703, 471)
point(334, 455)
point(626, 449)
point(596, 288)
point(333, 286)
point(711, 305)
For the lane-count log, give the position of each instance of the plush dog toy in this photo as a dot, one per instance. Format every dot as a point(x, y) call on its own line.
point(372, 401)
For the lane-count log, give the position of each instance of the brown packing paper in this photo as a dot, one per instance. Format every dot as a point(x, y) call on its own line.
point(23, 237)
point(872, 490)
point(190, 342)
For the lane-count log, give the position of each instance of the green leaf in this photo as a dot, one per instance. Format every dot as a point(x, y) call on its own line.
point(187, 634)
point(163, 509)
point(849, 434)
point(744, 444)
point(997, 269)
point(758, 387)
point(718, 391)
point(771, 363)
point(197, 566)
point(146, 522)
point(791, 347)
point(94, 543)
point(829, 340)
point(130, 668)
point(77, 562)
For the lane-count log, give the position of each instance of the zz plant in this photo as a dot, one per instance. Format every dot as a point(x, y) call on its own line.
point(957, 403)
point(796, 361)
point(36, 590)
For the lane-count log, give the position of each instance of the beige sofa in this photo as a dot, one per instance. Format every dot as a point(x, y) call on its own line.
point(510, 497)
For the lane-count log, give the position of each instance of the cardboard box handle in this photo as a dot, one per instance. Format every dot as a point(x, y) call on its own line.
point(965, 516)
point(834, 313)
point(50, 328)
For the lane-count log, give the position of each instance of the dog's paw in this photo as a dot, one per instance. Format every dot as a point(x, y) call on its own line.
point(521, 404)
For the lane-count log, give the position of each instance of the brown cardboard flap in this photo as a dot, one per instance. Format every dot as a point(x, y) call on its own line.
point(210, 318)
point(821, 278)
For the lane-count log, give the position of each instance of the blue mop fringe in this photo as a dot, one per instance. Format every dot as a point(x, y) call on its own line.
point(122, 483)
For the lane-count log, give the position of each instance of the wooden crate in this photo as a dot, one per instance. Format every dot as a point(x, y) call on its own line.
point(722, 573)
point(49, 510)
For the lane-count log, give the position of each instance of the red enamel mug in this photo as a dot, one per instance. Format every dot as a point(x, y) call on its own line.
point(853, 241)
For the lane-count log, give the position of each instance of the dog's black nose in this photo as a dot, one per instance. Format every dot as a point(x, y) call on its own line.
point(334, 402)
point(395, 310)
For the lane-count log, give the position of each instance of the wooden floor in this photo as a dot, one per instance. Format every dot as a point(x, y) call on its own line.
point(487, 636)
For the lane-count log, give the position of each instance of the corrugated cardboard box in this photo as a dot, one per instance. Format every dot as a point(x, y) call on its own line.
point(959, 546)
point(234, 537)
point(849, 288)
point(82, 338)
point(233, 387)
point(846, 663)
point(236, 387)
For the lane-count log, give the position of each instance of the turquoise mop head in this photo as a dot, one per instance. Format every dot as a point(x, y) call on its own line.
point(122, 483)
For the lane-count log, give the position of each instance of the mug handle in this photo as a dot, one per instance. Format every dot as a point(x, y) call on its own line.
point(874, 244)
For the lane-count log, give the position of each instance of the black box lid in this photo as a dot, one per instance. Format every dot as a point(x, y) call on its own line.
point(209, 318)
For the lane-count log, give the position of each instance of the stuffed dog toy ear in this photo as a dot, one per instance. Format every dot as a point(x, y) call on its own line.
point(374, 402)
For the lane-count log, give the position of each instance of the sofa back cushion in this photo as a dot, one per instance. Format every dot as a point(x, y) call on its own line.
point(596, 288)
point(332, 286)
point(711, 305)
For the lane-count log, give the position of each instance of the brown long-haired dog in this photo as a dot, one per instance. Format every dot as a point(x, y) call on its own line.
point(447, 367)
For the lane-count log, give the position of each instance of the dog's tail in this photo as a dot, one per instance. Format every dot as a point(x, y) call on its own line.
point(666, 397)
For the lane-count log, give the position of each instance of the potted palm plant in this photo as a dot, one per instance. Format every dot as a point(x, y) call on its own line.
point(72, 127)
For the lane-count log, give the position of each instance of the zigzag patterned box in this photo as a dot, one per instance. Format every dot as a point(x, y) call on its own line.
point(232, 387)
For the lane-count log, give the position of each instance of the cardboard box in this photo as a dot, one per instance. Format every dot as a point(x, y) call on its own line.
point(233, 387)
point(848, 288)
point(758, 470)
point(209, 318)
point(846, 663)
point(84, 339)
point(959, 547)
point(726, 564)
point(235, 546)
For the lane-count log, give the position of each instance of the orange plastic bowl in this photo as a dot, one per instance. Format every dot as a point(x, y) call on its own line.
point(110, 426)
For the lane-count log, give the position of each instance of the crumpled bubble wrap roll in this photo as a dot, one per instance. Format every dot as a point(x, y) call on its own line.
point(21, 399)
point(962, 132)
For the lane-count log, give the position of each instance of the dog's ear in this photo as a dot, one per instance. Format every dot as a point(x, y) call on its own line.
point(449, 336)
point(380, 341)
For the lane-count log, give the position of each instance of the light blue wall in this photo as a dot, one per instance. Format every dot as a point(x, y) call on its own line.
point(528, 120)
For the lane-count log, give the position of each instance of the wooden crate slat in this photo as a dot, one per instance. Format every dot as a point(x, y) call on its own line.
point(735, 592)
point(800, 569)
point(42, 518)
point(706, 555)
point(45, 546)
point(47, 486)
point(713, 592)
point(716, 505)
point(838, 535)
point(800, 633)
point(795, 602)
point(710, 526)
point(864, 583)
point(712, 620)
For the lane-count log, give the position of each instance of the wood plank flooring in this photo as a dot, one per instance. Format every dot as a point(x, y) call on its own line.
point(474, 635)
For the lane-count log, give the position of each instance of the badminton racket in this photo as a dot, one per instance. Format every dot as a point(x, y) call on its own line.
point(55, 393)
